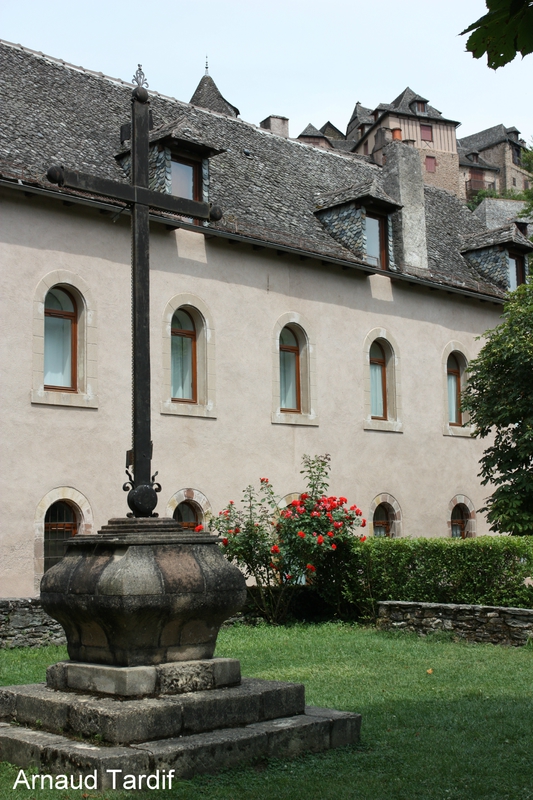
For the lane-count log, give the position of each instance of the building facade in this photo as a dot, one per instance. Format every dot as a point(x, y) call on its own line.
point(334, 308)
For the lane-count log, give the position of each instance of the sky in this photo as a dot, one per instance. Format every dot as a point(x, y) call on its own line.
point(308, 60)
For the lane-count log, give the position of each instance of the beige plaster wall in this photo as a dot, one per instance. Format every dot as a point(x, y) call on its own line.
point(49, 449)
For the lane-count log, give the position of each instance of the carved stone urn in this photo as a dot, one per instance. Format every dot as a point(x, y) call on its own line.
point(142, 592)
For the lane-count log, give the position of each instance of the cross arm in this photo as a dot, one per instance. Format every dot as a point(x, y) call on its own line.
point(132, 194)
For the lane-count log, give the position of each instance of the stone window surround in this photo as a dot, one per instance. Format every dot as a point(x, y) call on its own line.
point(84, 517)
point(303, 331)
point(193, 496)
point(86, 395)
point(393, 371)
point(394, 510)
point(205, 359)
point(462, 499)
point(458, 350)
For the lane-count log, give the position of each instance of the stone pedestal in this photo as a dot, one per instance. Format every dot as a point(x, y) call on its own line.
point(147, 721)
point(141, 604)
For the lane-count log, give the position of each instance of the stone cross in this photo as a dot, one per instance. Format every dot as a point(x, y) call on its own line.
point(142, 495)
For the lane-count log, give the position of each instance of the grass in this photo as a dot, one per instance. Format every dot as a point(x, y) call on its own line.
point(461, 732)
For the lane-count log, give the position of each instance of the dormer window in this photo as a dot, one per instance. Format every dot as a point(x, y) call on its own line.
point(474, 157)
point(186, 178)
point(516, 272)
point(376, 115)
point(421, 107)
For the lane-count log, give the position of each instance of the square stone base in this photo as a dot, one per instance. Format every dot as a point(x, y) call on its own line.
point(177, 677)
point(112, 741)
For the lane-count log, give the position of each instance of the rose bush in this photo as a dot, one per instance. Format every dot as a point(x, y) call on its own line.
point(281, 547)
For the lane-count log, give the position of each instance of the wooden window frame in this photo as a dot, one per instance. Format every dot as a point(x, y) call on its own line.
point(286, 348)
point(73, 317)
point(187, 525)
point(520, 266)
point(386, 524)
point(70, 528)
point(433, 161)
point(428, 128)
point(462, 523)
point(421, 107)
point(197, 173)
point(457, 373)
point(193, 336)
point(383, 364)
point(383, 231)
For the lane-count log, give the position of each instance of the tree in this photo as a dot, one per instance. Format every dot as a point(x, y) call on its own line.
point(505, 30)
point(499, 398)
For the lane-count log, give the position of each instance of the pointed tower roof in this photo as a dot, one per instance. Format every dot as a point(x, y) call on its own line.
point(208, 96)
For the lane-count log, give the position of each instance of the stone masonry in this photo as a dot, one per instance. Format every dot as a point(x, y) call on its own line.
point(494, 624)
point(23, 623)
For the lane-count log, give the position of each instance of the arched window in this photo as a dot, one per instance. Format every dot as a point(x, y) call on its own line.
point(460, 517)
point(382, 521)
point(60, 524)
point(453, 370)
point(60, 339)
point(183, 358)
point(187, 515)
point(289, 371)
point(378, 382)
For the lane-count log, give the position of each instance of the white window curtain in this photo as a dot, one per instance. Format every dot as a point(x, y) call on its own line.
point(288, 385)
point(182, 367)
point(376, 390)
point(57, 351)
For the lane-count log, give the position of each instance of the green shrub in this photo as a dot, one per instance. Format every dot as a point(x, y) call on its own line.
point(485, 571)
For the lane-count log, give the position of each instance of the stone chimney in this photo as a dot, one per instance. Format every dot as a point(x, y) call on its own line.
point(277, 125)
point(403, 181)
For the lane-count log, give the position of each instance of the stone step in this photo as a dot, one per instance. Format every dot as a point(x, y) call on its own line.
point(123, 721)
point(161, 761)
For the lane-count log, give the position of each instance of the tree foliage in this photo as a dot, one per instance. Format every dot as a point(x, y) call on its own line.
point(499, 398)
point(505, 30)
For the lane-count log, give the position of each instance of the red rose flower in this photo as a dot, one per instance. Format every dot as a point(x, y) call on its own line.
point(333, 546)
point(264, 480)
point(353, 508)
point(295, 502)
point(300, 510)
point(362, 539)
point(199, 528)
point(274, 549)
point(330, 533)
point(320, 539)
point(310, 568)
point(337, 524)
point(329, 515)
point(301, 534)
point(359, 512)
point(225, 542)
point(342, 500)
point(231, 503)
point(237, 530)
point(315, 513)
point(304, 496)
point(363, 523)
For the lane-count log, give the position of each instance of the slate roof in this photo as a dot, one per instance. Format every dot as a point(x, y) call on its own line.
point(359, 116)
point(464, 161)
point(489, 138)
point(208, 96)
point(310, 130)
point(369, 189)
point(507, 234)
point(266, 184)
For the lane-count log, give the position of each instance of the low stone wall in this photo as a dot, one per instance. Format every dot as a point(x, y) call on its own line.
point(493, 624)
point(23, 623)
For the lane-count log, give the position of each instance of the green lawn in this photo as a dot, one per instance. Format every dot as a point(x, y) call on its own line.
point(462, 732)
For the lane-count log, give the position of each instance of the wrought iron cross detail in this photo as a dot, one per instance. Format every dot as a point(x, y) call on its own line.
point(142, 494)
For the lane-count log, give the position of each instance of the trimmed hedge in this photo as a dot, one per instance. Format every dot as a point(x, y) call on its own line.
point(485, 571)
